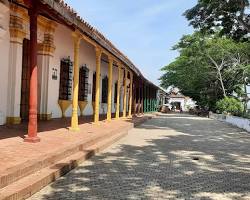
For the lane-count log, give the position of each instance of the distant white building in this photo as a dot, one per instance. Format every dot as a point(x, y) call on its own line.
point(179, 101)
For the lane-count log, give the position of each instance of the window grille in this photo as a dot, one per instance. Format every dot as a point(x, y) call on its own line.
point(104, 89)
point(66, 74)
point(94, 86)
point(83, 83)
point(115, 92)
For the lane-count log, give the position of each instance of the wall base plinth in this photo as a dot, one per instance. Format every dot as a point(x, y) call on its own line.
point(13, 120)
point(45, 117)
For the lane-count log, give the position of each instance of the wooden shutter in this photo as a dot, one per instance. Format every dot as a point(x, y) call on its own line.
point(115, 92)
point(104, 89)
point(94, 87)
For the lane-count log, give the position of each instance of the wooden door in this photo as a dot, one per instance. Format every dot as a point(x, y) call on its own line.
point(25, 87)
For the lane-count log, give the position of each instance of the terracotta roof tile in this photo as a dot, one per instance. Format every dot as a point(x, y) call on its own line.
point(71, 16)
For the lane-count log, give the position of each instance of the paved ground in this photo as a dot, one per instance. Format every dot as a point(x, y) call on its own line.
point(158, 160)
point(55, 137)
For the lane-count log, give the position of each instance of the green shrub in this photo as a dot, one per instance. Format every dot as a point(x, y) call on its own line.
point(230, 105)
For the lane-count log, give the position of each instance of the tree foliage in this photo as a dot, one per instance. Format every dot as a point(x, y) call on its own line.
point(231, 17)
point(208, 68)
point(230, 106)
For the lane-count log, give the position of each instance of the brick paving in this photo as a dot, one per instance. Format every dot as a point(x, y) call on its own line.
point(169, 157)
point(54, 136)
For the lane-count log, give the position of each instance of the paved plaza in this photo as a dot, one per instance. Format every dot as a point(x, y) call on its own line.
point(174, 156)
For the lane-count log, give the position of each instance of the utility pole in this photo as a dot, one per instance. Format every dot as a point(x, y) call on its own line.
point(246, 95)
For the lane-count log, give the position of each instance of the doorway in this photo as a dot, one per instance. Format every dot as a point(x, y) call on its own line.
point(25, 83)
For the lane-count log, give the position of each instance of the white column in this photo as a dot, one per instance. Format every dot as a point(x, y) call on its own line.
point(14, 83)
point(43, 82)
point(17, 34)
point(45, 56)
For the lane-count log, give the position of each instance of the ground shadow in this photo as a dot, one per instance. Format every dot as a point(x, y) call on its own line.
point(20, 130)
point(201, 159)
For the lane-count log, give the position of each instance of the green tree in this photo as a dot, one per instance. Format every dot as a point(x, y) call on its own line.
point(208, 68)
point(231, 17)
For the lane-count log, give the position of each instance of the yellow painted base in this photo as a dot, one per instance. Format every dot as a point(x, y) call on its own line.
point(64, 105)
point(74, 129)
point(13, 120)
point(96, 123)
point(45, 117)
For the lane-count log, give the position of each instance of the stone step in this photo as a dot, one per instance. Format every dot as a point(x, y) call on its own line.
point(30, 167)
point(139, 120)
point(27, 186)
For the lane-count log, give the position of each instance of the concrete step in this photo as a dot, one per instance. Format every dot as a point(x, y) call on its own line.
point(27, 186)
point(30, 167)
point(139, 120)
point(105, 143)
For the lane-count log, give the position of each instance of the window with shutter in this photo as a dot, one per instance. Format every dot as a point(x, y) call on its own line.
point(66, 70)
point(94, 86)
point(104, 89)
point(115, 92)
point(83, 83)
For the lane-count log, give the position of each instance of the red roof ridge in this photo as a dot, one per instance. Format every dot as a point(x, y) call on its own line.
point(92, 32)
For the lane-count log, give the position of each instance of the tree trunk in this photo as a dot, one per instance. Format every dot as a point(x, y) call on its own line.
point(218, 68)
point(222, 84)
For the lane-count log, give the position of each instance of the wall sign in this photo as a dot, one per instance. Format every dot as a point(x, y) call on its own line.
point(54, 74)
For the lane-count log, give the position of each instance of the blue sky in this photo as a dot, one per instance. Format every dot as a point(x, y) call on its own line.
point(144, 30)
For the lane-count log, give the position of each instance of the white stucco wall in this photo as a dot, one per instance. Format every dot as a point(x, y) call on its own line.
point(64, 48)
point(87, 56)
point(236, 121)
point(4, 57)
point(185, 103)
point(179, 100)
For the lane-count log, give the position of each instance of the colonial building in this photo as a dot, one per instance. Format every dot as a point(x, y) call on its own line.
point(177, 101)
point(54, 64)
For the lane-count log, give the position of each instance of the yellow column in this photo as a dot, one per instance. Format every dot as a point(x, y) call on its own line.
point(125, 94)
point(117, 113)
point(110, 79)
point(97, 91)
point(74, 118)
point(130, 94)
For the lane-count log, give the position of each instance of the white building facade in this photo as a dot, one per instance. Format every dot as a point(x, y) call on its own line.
point(55, 64)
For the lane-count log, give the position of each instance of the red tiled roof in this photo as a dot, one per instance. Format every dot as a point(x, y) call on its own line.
point(172, 95)
point(71, 17)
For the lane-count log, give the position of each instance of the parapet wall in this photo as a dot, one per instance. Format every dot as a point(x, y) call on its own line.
point(236, 121)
